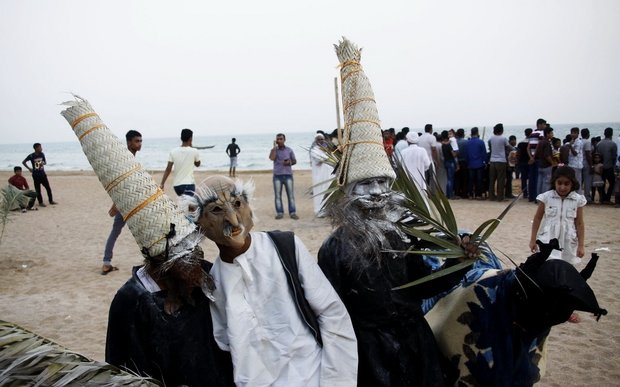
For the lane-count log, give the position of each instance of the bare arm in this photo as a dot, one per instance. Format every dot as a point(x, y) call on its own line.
point(26, 165)
point(579, 225)
point(166, 174)
point(540, 211)
point(272, 153)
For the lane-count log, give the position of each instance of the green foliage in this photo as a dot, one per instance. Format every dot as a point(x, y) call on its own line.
point(29, 359)
point(10, 198)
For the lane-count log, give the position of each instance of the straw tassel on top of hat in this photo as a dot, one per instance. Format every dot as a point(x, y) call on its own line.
point(363, 154)
point(155, 221)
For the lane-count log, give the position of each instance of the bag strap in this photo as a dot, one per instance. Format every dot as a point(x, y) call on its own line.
point(284, 242)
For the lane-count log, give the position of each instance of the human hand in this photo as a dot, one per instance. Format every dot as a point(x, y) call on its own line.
point(581, 251)
point(533, 246)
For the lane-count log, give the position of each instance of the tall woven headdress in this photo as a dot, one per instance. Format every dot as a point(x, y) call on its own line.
point(148, 212)
point(363, 154)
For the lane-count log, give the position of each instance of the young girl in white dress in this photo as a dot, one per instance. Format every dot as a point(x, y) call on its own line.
point(560, 215)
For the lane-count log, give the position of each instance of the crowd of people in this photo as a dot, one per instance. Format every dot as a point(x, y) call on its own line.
point(467, 168)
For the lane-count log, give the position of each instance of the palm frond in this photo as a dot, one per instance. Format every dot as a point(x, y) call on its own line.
point(29, 359)
point(10, 198)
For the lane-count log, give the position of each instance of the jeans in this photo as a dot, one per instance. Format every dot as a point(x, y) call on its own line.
point(117, 227)
point(181, 189)
point(475, 179)
point(285, 181)
point(544, 179)
point(532, 182)
point(42, 181)
point(450, 166)
point(578, 177)
point(523, 175)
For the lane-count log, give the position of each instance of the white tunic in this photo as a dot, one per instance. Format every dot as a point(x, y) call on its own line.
point(255, 318)
point(321, 175)
point(416, 162)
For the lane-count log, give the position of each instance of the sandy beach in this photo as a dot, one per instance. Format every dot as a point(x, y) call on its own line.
point(50, 262)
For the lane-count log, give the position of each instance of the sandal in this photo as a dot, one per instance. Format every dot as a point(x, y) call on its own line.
point(108, 268)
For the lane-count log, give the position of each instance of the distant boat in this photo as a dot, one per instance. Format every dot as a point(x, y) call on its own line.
point(204, 147)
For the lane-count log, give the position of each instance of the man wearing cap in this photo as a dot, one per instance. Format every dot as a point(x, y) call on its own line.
point(273, 308)
point(415, 160)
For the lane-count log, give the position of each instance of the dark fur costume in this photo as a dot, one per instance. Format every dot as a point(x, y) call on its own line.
point(177, 349)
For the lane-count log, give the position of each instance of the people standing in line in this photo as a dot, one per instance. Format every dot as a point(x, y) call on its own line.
point(499, 147)
point(184, 159)
point(609, 153)
point(321, 172)
point(134, 144)
point(476, 157)
point(460, 177)
point(575, 156)
point(532, 185)
point(560, 215)
point(544, 160)
point(273, 309)
point(39, 177)
point(283, 159)
point(18, 181)
point(415, 161)
point(586, 174)
point(232, 150)
point(522, 163)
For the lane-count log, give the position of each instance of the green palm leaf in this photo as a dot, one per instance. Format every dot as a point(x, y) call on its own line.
point(29, 359)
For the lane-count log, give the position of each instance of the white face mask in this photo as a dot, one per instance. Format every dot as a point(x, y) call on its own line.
point(371, 193)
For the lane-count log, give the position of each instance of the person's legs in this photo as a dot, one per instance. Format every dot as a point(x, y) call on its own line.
point(48, 189)
point(450, 169)
point(492, 180)
point(586, 180)
point(471, 176)
point(578, 177)
point(32, 197)
point(523, 172)
point(508, 185)
point(532, 182)
point(290, 194)
point(37, 188)
point(610, 178)
point(277, 192)
point(117, 227)
point(500, 170)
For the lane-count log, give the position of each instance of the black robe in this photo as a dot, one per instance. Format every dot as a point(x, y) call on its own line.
point(396, 346)
point(178, 350)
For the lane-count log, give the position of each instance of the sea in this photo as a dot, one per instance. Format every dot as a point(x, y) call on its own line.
point(254, 156)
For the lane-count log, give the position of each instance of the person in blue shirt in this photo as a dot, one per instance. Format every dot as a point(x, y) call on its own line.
point(283, 159)
point(475, 156)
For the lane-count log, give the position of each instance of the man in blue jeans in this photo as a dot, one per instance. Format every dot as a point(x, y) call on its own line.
point(283, 159)
point(134, 144)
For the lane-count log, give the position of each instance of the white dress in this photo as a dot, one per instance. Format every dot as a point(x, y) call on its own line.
point(559, 222)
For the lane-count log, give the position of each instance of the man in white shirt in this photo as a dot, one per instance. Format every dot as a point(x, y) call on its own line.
point(184, 158)
point(283, 325)
point(415, 160)
point(575, 156)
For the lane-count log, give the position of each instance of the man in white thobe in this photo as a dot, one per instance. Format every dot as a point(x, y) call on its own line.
point(415, 160)
point(255, 313)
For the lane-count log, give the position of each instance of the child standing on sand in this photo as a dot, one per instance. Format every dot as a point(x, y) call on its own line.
point(560, 215)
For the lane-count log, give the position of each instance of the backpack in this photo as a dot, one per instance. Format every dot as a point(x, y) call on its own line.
point(284, 242)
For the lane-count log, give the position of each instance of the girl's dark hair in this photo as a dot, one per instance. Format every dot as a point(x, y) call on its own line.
point(567, 172)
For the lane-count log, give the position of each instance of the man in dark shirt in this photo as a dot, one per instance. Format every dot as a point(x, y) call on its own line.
point(544, 160)
point(232, 151)
point(609, 151)
point(37, 160)
point(522, 161)
point(18, 181)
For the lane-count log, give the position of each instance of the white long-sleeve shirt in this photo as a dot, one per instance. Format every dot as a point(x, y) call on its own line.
point(256, 319)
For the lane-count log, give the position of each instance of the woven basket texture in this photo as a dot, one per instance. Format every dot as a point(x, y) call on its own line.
point(363, 152)
point(148, 210)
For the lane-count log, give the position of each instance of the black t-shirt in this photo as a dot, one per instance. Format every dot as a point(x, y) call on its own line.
point(38, 163)
point(232, 150)
point(523, 156)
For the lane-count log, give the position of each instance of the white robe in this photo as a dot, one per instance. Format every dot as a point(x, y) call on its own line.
point(416, 162)
point(321, 176)
point(255, 318)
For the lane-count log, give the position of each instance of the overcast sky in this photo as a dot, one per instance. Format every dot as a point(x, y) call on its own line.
point(238, 67)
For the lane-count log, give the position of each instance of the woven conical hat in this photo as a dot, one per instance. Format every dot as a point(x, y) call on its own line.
point(363, 154)
point(147, 211)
